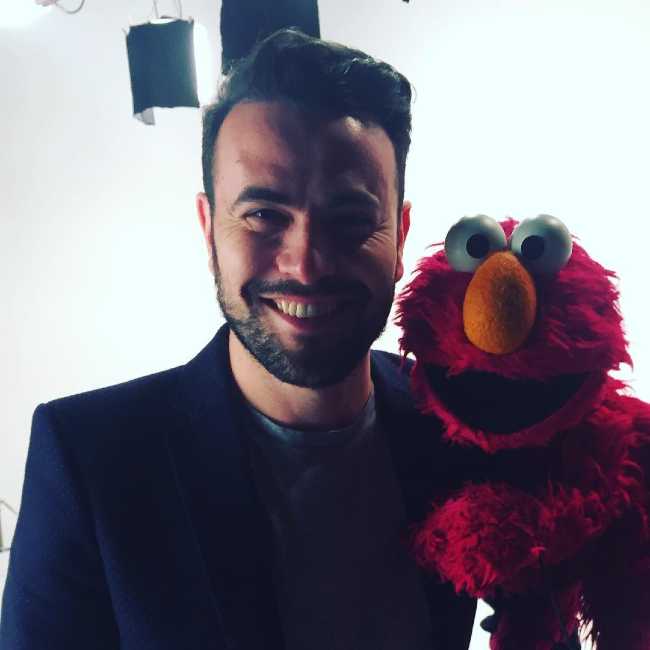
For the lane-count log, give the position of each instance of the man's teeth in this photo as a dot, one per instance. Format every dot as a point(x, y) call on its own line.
point(304, 309)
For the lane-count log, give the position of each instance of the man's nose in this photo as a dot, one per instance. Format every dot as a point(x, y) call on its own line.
point(305, 253)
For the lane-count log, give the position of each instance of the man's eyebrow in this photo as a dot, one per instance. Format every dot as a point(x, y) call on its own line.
point(353, 197)
point(252, 193)
point(257, 193)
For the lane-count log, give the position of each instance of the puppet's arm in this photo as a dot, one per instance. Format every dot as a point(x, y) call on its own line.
point(616, 592)
point(492, 535)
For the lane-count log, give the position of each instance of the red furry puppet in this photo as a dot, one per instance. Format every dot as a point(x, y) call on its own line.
point(514, 329)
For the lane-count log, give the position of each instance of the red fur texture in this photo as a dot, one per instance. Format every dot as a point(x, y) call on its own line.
point(586, 517)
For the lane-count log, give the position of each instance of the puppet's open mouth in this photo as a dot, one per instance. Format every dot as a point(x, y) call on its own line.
point(495, 404)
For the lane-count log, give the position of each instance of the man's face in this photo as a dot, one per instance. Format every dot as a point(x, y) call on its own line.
point(304, 242)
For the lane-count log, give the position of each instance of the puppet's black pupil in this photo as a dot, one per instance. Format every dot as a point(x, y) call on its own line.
point(532, 248)
point(478, 246)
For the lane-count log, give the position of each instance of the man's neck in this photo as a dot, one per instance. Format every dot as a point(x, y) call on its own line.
point(331, 407)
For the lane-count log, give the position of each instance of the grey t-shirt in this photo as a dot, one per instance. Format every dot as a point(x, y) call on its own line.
point(344, 578)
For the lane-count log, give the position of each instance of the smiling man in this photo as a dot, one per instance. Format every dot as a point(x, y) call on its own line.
point(259, 497)
point(306, 246)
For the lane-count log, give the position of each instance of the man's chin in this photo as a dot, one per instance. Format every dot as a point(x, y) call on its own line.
point(299, 359)
point(310, 376)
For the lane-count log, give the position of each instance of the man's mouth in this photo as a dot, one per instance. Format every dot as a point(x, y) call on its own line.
point(495, 404)
point(306, 309)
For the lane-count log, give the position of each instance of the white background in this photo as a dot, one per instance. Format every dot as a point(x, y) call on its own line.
point(522, 107)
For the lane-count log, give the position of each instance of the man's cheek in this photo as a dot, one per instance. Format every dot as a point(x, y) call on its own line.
point(232, 253)
point(375, 263)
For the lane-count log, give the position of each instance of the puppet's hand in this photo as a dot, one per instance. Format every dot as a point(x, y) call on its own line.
point(492, 535)
point(483, 537)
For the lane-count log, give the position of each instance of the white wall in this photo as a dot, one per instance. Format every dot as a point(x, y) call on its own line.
point(522, 108)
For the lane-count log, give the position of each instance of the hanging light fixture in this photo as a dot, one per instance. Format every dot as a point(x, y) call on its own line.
point(162, 63)
point(245, 22)
point(169, 58)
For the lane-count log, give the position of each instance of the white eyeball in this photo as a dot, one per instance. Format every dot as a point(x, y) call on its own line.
point(544, 243)
point(471, 240)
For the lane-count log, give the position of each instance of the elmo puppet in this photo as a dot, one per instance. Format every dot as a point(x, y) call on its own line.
point(515, 329)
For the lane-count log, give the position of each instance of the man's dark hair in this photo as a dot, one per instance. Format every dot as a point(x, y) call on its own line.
point(322, 76)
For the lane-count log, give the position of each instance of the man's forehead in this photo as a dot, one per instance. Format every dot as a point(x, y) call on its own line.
point(275, 140)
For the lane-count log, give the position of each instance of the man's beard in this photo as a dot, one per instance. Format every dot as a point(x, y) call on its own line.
point(323, 360)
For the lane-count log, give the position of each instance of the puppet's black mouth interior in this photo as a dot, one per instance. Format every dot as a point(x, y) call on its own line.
point(498, 405)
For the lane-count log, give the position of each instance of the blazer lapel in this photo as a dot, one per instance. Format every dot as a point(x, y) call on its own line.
point(231, 529)
point(425, 467)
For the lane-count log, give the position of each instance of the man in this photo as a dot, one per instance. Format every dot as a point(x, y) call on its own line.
point(260, 496)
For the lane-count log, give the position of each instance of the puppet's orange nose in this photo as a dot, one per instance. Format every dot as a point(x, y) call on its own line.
point(500, 304)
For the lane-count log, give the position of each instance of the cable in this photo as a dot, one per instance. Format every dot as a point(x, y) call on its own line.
point(179, 9)
point(70, 11)
point(6, 505)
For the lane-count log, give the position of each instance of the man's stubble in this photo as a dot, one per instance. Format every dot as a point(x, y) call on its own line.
point(323, 360)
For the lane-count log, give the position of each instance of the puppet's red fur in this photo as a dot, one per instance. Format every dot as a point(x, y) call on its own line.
point(586, 518)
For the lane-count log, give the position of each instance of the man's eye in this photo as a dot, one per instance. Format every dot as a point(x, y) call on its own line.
point(266, 220)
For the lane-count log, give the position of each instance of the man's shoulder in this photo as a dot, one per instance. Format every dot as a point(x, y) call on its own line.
point(116, 419)
point(140, 393)
point(391, 375)
point(139, 400)
point(394, 364)
point(396, 360)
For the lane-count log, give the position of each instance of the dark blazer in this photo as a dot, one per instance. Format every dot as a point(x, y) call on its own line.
point(140, 527)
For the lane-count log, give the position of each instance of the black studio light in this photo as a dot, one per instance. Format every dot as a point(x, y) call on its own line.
point(244, 22)
point(162, 64)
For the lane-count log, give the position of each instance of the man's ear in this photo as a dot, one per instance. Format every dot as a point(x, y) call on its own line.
point(402, 231)
point(205, 221)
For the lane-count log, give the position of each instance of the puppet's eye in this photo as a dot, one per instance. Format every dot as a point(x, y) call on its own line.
point(543, 243)
point(471, 240)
